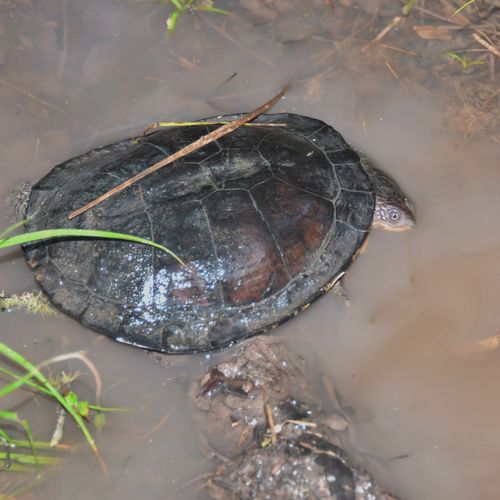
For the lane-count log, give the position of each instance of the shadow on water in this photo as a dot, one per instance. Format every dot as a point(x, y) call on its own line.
point(75, 76)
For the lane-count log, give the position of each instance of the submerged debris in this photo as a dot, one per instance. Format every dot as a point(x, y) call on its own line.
point(32, 302)
point(409, 41)
point(258, 411)
point(17, 201)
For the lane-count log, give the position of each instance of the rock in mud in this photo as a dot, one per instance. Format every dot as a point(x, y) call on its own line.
point(260, 413)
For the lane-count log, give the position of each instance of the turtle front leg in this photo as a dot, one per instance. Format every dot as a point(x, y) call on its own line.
point(337, 285)
point(339, 291)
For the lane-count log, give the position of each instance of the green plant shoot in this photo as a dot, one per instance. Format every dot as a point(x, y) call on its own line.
point(183, 6)
point(22, 239)
point(466, 63)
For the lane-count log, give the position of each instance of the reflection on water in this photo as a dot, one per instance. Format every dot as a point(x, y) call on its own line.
point(74, 76)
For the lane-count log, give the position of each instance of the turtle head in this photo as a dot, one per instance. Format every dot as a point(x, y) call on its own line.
point(394, 215)
point(393, 209)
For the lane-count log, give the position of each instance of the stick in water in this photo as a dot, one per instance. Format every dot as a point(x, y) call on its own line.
point(191, 148)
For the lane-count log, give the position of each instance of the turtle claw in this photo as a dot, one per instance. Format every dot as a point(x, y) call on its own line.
point(339, 291)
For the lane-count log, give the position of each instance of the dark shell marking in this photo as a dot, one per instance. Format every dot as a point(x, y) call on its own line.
point(266, 218)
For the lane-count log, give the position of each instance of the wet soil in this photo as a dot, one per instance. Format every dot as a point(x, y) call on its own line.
point(262, 420)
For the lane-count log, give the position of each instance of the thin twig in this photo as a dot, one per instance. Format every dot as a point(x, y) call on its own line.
point(238, 43)
point(396, 76)
point(485, 44)
point(305, 423)
point(398, 49)
point(191, 148)
point(394, 22)
point(318, 451)
point(270, 422)
point(64, 51)
point(454, 20)
point(160, 424)
point(32, 96)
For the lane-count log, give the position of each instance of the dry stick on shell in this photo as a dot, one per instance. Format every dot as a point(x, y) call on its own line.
point(191, 148)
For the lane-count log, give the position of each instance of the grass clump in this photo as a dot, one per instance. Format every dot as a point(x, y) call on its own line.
point(183, 6)
point(463, 7)
point(21, 452)
point(463, 60)
point(407, 7)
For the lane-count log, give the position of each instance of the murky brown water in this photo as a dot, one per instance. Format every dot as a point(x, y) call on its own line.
point(77, 75)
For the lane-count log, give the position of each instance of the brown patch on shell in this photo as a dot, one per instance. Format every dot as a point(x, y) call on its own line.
point(258, 269)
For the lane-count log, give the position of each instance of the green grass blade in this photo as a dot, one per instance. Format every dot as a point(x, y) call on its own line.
point(33, 385)
point(13, 417)
point(39, 445)
point(183, 6)
point(109, 409)
point(9, 415)
point(188, 124)
point(4, 437)
point(40, 388)
point(177, 4)
point(15, 467)
point(34, 372)
point(23, 458)
point(463, 60)
point(31, 438)
point(21, 239)
point(464, 6)
point(214, 10)
point(22, 487)
point(457, 57)
point(408, 6)
point(197, 124)
point(15, 226)
point(172, 20)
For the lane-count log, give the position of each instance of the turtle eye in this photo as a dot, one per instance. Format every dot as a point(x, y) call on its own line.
point(394, 215)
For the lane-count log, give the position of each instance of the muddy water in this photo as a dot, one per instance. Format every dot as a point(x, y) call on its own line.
point(76, 76)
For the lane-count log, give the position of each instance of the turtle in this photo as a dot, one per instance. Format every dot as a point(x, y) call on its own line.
point(266, 219)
